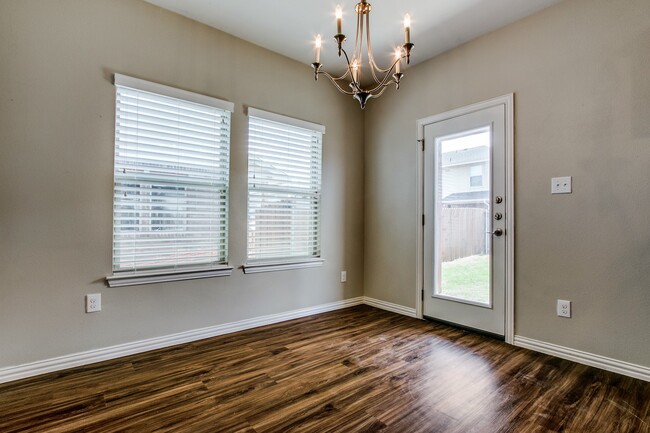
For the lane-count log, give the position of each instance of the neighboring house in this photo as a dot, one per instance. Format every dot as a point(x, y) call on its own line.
point(465, 202)
point(466, 177)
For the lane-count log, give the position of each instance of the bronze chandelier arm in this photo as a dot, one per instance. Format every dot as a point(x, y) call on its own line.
point(381, 88)
point(387, 81)
point(335, 81)
point(371, 59)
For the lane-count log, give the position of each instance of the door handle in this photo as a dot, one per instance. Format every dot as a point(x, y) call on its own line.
point(496, 232)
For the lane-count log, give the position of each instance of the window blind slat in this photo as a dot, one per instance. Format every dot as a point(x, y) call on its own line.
point(145, 98)
point(131, 177)
point(174, 117)
point(170, 203)
point(132, 138)
point(149, 124)
point(275, 142)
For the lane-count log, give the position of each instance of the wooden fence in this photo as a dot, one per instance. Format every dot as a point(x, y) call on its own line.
point(463, 232)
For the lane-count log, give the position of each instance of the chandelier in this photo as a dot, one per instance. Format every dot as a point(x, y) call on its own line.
point(351, 82)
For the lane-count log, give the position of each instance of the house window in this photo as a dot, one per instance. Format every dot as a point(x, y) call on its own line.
point(284, 192)
point(476, 175)
point(170, 201)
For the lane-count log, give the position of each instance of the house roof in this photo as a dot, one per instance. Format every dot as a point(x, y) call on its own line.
point(472, 196)
point(465, 156)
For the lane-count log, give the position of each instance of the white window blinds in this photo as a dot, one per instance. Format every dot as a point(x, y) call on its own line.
point(170, 206)
point(284, 188)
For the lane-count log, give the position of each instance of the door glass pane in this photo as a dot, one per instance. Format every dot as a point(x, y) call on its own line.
point(462, 219)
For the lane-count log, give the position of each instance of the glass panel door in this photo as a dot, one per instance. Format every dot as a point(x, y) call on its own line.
point(464, 205)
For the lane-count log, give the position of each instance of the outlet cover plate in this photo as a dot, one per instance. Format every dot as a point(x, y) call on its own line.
point(344, 276)
point(93, 302)
point(563, 308)
point(561, 185)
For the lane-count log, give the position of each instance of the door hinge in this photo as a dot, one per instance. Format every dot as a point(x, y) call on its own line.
point(422, 219)
point(422, 293)
point(422, 142)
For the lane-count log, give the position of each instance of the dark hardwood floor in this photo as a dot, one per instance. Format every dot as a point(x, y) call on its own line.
point(354, 370)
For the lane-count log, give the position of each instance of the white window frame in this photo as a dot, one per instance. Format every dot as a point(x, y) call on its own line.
point(256, 265)
point(179, 270)
point(476, 171)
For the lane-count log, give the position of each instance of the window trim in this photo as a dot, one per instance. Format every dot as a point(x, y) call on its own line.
point(258, 267)
point(273, 117)
point(130, 277)
point(480, 177)
point(172, 92)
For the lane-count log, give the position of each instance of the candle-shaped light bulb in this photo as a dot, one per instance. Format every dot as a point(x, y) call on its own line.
point(355, 71)
point(339, 18)
point(318, 44)
point(407, 28)
point(398, 57)
point(407, 21)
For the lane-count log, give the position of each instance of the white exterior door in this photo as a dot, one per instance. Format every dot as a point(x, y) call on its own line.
point(465, 204)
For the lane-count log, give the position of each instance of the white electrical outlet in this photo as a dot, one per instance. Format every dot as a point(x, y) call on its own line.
point(93, 302)
point(563, 308)
point(344, 276)
point(561, 185)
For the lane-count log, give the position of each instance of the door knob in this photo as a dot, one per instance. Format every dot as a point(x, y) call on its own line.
point(497, 232)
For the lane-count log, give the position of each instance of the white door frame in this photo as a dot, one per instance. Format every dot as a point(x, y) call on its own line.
point(508, 102)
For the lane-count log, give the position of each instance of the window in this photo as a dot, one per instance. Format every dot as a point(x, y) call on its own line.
point(170, 202)
point(284, 192)
point(476, 175)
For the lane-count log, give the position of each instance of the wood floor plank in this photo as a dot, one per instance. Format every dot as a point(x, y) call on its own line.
point(359, 370)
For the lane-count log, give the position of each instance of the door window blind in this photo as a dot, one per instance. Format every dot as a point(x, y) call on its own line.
point(284, 188)
point(170, 206)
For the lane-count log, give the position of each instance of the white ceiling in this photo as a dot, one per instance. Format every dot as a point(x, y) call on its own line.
point(289, 27)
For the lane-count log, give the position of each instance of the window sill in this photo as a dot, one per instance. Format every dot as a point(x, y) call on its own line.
point(120, 280)
point(254, 268)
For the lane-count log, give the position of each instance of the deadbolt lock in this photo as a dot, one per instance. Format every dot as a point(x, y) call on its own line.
point(498, 199)
point(498, 216)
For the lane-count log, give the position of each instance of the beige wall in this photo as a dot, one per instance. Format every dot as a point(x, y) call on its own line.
point(580, 73)
point(56, 170)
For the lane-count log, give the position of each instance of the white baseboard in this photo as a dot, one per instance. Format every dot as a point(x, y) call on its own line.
point(609, 364)
point(389, 306)
point(9, 374)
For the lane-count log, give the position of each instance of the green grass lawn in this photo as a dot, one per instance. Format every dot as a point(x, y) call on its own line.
point(467, 278)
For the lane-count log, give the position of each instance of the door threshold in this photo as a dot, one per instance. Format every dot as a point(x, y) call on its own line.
point(467, 328)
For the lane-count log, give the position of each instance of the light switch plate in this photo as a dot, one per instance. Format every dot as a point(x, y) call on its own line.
point(561, 185)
